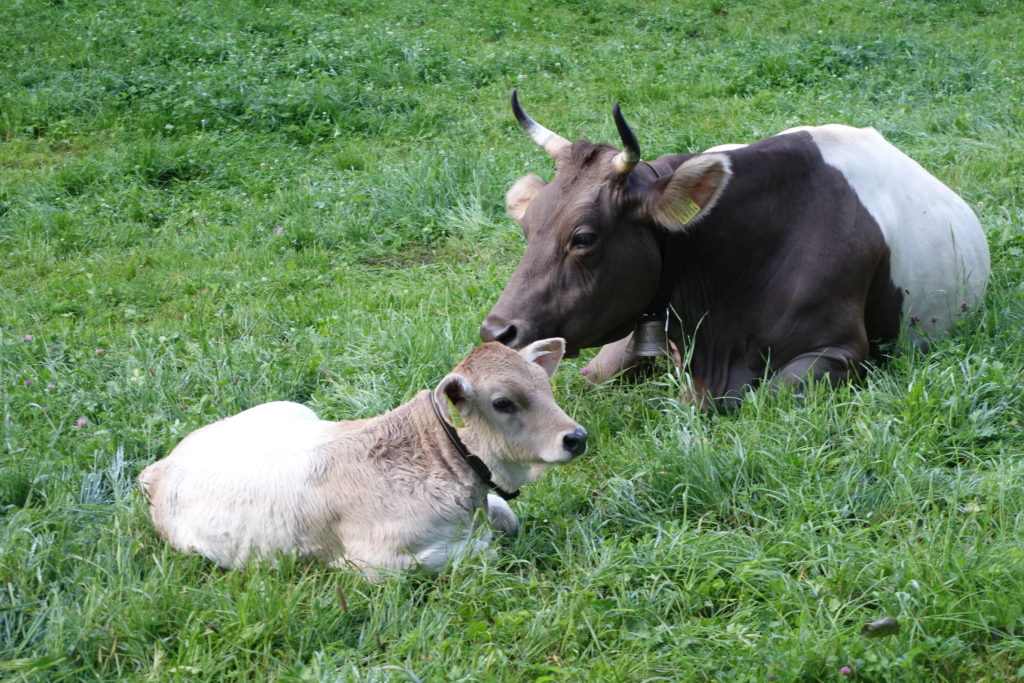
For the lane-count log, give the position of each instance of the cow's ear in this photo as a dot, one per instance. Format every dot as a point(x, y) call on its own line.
point(521, 194)
point(458, 390)
point(687, 195)
point(546, 353)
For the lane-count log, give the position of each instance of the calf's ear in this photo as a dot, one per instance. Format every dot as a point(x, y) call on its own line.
point(687, 195)
point(546, 353)
point(521, 194)
point(457, 389)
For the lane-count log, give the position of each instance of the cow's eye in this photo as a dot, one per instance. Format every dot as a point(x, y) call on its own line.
point(583, 240)
point(503, 405)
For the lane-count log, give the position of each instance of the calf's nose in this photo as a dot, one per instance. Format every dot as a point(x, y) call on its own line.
point(575, 442)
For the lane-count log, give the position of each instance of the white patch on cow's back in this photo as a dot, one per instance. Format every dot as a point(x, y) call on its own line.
point(939, 255)
point(727, 147)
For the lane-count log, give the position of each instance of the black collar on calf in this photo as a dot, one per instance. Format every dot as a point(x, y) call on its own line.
point(478, 465)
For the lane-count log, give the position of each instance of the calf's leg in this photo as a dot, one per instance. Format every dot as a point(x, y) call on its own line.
point(501, 515)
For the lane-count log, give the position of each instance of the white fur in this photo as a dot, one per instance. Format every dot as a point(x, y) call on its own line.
point(939, 255)
point(727, 147)
point(261, 460)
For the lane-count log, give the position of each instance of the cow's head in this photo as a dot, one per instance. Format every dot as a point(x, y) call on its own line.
point(594, 237)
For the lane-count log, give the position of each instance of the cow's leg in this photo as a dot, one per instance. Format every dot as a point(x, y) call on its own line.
point(615, 359)
point(611, 360)
point(834, 364)
point(694, 393)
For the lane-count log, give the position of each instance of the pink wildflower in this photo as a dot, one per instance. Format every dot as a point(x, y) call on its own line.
point(81, 422)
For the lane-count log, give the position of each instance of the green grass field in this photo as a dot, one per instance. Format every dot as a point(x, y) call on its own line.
point(207, 205)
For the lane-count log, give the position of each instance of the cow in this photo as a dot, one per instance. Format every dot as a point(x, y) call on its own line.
point(787, 260)
point(406, 489)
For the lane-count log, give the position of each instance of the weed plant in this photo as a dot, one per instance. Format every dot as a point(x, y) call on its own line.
point(207, 205)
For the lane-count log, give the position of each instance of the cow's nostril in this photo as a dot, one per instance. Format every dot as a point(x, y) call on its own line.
point(575, 442)
point(505, 335)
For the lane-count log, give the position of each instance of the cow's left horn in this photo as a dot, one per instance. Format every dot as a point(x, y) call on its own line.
point(629, 157)
point(552, 142)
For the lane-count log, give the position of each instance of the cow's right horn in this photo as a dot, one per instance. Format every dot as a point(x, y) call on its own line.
point(552, 142)
point(629, 157)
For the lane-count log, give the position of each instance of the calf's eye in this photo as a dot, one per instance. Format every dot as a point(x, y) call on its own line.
point(503, 405)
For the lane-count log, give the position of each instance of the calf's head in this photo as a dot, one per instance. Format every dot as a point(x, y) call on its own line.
point(511, 417)
point(594, 237)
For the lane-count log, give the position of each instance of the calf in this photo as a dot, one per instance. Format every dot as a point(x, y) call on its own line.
point(389, 492)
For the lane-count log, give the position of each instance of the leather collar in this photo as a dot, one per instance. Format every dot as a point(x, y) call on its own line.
point(477, 465)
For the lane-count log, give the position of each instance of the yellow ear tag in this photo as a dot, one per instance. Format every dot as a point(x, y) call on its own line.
point(455, 415)
point(688, 211)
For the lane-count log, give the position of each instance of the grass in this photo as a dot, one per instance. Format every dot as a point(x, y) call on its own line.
point(204, 206)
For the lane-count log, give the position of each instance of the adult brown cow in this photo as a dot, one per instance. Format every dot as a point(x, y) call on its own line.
point(785, 258)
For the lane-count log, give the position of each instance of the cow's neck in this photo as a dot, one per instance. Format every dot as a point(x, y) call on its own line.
point(648, 172)
point(667, 286)
point(682, 298)
point(708, 313)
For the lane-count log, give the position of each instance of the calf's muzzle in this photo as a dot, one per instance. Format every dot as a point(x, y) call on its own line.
point(575, 442)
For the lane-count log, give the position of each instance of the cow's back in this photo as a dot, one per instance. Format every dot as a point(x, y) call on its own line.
point(938, 256)
point(783, 263)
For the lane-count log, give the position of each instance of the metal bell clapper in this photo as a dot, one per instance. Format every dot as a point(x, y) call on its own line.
point(648, 338)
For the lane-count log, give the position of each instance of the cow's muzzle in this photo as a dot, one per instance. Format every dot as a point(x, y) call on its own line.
point(519, 332)
point(516, 334)
point(510, 333)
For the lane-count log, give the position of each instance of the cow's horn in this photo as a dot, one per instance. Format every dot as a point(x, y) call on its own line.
point(552, 142)
point(629, 157)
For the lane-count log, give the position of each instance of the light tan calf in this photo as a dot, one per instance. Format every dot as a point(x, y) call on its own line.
point(386, 492)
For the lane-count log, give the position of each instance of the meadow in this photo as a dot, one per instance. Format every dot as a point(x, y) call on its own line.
point(206, 205)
